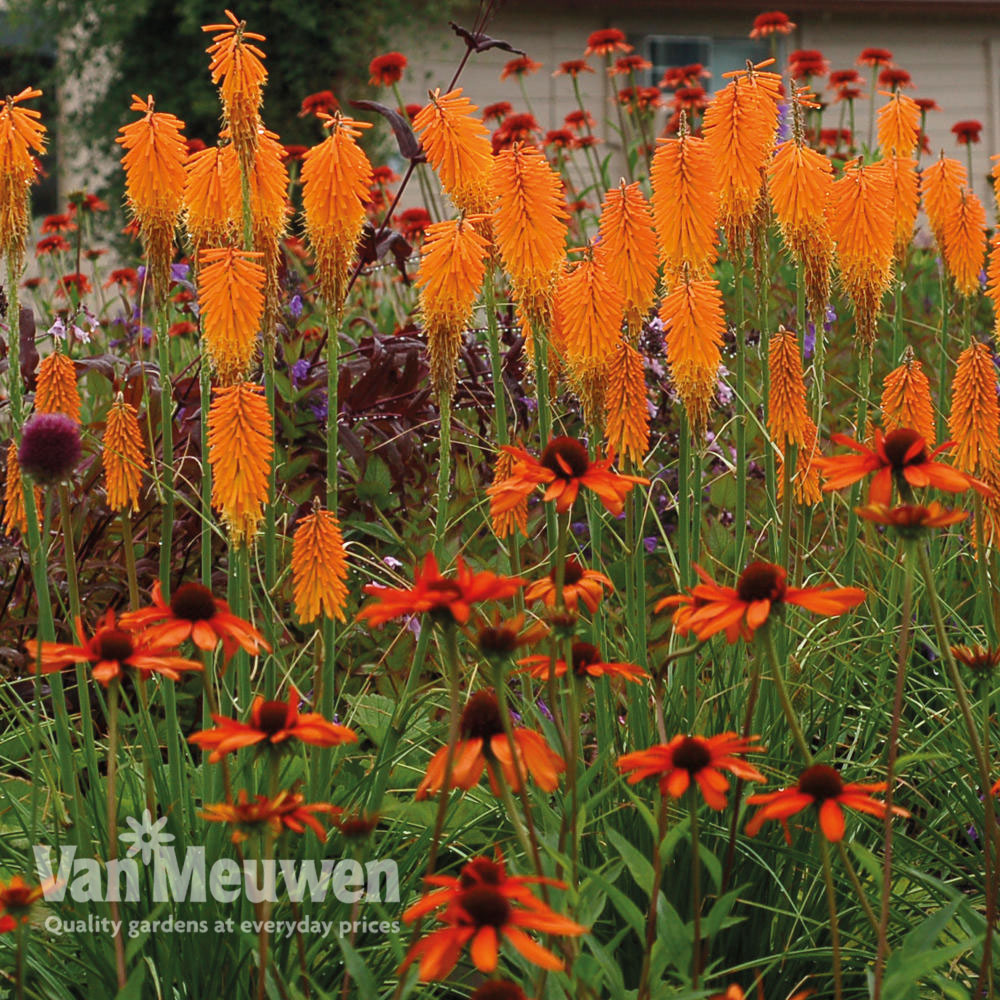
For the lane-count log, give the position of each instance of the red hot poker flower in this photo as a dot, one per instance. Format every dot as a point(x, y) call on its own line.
point(564, 466)
point(694, 758)
point(273, 723)
point(708, 608)
point(448, 599)
point(820, 786)
point(901, 454)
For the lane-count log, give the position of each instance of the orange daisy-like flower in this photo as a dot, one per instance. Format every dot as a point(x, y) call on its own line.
point(979, 659)
point(448, 599)
point(698, 759)
point(605, 42)
point(483, 746)
point(974, 423)
point(124, 455)
point(237, 68)
point(457, 145)
point(900, 454)
point(57, 391)
point(820, 786)
point(964, 234)
point(483, 907)
point(112, 649)
point(506, 522)
point(498, 640)
point(626, 404)
point(17, 897)
point(906, 398)
point(22, 135)
point(587, 662)
point(579, 584)
point(708, 608)
point(273, 723)
point(319, 567)
point(912, 520)
point(286, 811)
point(231, 299)
point(155, 179)
point(241, 446)
point(564, 466)
point(195, 613)
point(336, 178)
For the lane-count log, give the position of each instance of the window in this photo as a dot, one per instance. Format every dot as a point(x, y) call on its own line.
point(717, 55)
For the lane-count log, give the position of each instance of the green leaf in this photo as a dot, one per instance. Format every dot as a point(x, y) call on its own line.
point(639, 867)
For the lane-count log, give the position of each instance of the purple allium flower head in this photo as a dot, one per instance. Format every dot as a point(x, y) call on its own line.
point(50, 447)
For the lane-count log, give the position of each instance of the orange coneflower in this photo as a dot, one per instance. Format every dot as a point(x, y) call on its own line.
point(698, 759)
point(111, 649)
point(590, 308)
point(56, 390)
point(980, 659)
point(515, 518)
point(739, 125)
point(529, 224)
point(195, 613)
point(685, 205)
point(241, 445)
point(974, 423)
point(498, 639)
point(906, 398)
point(628, 250)
point(694, 324)
point(906, 202)
point(941, 186)
point(21, 136)
point(319, 567)
point(579, 585)
point(900, 455)
point(14, 513)
point(787, 416)
point(285, 811)
point(820, 786)
point(563, 467)
point(805, 482)
point(708, 608)
point(231, 299)
point(446, 598)
point(457, 146)
point(861, 221)
point(484, 906)
point(124, 455)
point(898, 125)
point(452, 265)
point(911, 520)
point(237, 69)
point(336, 177)
point(273, 723)
point(483, 746)
point(626, 405)
point(155, 178)
point(586, 661)
point(17, 898)
point(210, 217)
point(964, 233)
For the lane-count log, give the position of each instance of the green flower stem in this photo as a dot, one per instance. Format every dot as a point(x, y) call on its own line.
point(765, 639)
point(902, 659)
point(990, 860)
point(695, 888)
point(20, 932)
point(112, 815)
point(852, 517)
point(128, 544)
point(166, 472)
point(540, 338)
point(444, 477)
point(831, 899)
point(787, 492)
point(205, 393)
point(942, 387)
point(654, 899)
point(14, 345)
point(741, 414)
point(987, 609)
point(599, 181)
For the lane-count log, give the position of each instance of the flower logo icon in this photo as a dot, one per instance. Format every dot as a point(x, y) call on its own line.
point(146, 837)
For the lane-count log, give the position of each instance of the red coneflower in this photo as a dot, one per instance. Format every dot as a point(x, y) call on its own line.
point(17, 898)
point(874, 57)
point(498, 111)
point(900, 455)
point(967, 132)
point(273, 723)
point(579, 585)
point(58, 223)
point(626, 65)
point(698, 759)
point(286, 811)
point(709, 608)
point(894, 77)
point(820, 786)
point(685, 76)
point(912, 520)
point(844, 78)
point(560, 138)
point(572, 67)
point(521, 66)
point(413, 223)
point(772, 22)
point(564, 466)
point(446, 598)
point(483, 746)
point(112, 649)
point(484, 906)
point(323, 102)
point(387, 69)
point(806, 63)
point(605, 42)
point(195, 613)
point(51, 244)
point(586, 662)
